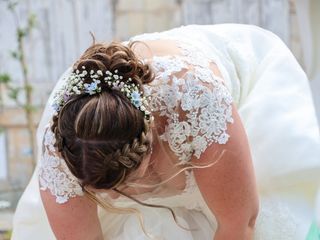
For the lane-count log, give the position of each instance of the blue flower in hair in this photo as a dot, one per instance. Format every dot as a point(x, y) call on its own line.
point(56, 106)
point(91, 88)
point(77, 84)
point(136, 98)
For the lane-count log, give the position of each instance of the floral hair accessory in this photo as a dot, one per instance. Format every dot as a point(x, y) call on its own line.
point(77, 83)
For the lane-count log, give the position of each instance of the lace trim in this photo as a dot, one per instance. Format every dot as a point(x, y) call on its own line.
point(54, 173)
point(208, 109)
point(199, 93)
point(202, 97)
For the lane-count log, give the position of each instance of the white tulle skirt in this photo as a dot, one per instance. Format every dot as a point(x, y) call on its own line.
point(274, 101)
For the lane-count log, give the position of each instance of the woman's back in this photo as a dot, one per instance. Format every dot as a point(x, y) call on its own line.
point(201, 71)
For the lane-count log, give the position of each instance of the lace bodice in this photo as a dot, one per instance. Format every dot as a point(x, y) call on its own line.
point(264, 78)
point(194, 101)
point(54, 173)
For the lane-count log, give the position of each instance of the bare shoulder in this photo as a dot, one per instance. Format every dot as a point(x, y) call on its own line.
point(229, 186)
point(75, 219)
point(161, 47)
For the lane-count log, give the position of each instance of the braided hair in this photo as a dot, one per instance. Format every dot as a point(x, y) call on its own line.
point(103, 137)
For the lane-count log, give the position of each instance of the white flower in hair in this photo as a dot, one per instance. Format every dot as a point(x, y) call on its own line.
point(77, 84)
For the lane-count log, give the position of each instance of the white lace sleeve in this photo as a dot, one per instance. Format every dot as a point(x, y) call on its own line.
point(54, 173)
point(195, 102)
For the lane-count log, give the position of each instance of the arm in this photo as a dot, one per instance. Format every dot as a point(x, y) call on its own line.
point(203, 111)
point(71, 214)
point(228, 187)
point(75, 219)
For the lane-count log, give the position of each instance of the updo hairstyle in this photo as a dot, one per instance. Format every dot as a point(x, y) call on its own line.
point(104, 137)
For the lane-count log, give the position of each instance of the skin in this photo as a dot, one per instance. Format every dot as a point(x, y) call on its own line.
point(76, 219)
point(228, 187)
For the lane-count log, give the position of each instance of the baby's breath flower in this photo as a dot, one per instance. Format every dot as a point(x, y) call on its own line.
point(75, 85)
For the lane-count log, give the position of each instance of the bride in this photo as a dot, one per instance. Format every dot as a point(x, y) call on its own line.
point(199, 132)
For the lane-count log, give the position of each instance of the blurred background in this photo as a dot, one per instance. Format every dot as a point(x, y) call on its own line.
point(40, 38)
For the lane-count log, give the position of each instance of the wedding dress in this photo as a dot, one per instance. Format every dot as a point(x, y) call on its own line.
point(272, 95)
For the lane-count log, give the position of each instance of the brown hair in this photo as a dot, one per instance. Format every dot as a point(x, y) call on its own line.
point(103, 137)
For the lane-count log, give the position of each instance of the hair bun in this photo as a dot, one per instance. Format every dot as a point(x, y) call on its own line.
point(116, 56)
